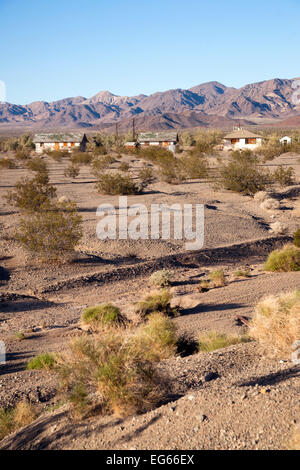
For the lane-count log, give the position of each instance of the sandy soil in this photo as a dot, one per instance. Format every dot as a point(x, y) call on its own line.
point(254, 401)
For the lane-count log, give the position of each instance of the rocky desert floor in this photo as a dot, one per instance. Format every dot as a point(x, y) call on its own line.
point(234, 398)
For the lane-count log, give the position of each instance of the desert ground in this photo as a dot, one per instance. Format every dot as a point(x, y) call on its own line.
point(234, 398)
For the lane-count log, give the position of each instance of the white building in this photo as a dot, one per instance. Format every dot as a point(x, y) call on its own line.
point(67, 141)
point(286, 140)
point(161, 139)
point(241, 139)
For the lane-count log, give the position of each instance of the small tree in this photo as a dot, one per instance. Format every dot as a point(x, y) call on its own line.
point(53, 232)
point(32, 194)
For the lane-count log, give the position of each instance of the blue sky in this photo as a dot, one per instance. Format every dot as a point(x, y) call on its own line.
point(52, 49)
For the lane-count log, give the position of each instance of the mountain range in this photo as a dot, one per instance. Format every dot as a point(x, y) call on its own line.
point(207, 105)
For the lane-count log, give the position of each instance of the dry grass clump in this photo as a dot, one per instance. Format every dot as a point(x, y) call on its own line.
point(284, 260)
point(124, 166)
point(157, 302)
point(214, 340)
point(103, 315)
point(270, 204)
point(241, 273)
point(12, 419)
point(297, 238)
point(217, 278)
point(42, 361)
point(261, 196)
point(156, 338)
point(162, 278)
point(110, 372)
point(276, 323)
point(278, 228)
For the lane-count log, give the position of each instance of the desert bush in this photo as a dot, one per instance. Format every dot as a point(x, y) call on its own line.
point(297, 238)
point(270, 204)
point(12, 419)
point(156, 339)
point(81, 158)
point(124, 166)
point(109, 372)
point(116, 184)
point(36, 164)
point(161, 278)
point(276, 323)
point(146, 176)
point(186, 345)
point(214, 340)
point(195, 166)
point(42, 361)
point(157, 302)
point(7, 163)
point(20, 335)
point(217, 278)
point(284, 176)
point(32, 194)
point(206, 140)
point(100, 164)
point(22, 154)
point(52, 233)
point(244, 177)
point(72, 171)
point(104, 314)
point(284, 260)
point(57, 155)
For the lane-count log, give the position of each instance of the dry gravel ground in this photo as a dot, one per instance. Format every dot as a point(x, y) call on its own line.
point(253, 402)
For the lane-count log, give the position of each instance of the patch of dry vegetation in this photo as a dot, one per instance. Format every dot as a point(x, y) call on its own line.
point(284, 260)
point(12, 419)
point(214, 340)
point(276, 323)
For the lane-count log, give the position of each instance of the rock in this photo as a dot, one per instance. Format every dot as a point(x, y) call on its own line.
point(211, 376)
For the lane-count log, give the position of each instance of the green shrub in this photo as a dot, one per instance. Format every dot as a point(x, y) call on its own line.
point(297, 238)
point(157, 302)
point(243, 177)
point(32, 194)
point(116, 184)
point(124, 166)
point(111, 374)
point(146, 176)
point(81, 158)
point(37, 165)
point(214, 340)
point(195, 166)
point(72, 171)
point(284, 176)
point(284, 260)
point(106, 314)
point(157, 338)
point(42, 361)
point(52, 233)
point(7, 163)
point(22, 154)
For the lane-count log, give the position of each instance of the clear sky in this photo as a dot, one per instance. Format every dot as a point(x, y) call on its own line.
point(52, 49)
